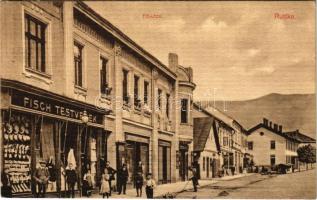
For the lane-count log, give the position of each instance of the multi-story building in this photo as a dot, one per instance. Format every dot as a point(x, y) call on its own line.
point(74, 88)
point(232, 138)
point(239, 146)
point(185, 139)
point(228, 150)
point(271, 146)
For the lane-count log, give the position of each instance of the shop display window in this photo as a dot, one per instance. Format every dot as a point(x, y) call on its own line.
point(16, 129)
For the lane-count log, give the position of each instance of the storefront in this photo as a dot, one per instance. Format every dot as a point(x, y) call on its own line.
point(134, 152)
point(164, 161)
point(38, 125)
point(228, 162)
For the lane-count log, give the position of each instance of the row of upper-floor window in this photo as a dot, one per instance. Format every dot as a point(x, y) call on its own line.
point(272, 145)
point(35, 59)
point(227, 138)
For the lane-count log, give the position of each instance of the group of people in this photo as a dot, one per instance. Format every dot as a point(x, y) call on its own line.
point(123, 175)
point(46, 174)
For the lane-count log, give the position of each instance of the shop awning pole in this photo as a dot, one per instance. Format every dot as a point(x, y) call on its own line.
point(86, 137)
point(66, 126)
point(65, 143)
point(41, 152)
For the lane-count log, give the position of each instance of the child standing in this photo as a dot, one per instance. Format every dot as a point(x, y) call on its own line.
point(87, 184)
point(150, 184)
point(139, 184)
point(105, 187)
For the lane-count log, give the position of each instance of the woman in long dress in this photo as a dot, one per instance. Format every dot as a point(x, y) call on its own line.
point(105, 187)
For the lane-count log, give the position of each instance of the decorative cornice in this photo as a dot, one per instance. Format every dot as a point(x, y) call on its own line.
point(187, 84)
point(120, 36)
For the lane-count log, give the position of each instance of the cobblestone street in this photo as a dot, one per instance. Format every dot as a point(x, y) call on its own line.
point(295, 185)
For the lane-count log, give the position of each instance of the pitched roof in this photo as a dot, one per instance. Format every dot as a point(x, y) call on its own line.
point(202, 128)
point(300, 137)
point(293, 135)
point(222, 122)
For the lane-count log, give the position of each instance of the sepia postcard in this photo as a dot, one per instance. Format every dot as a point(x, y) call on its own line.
point(158, 99)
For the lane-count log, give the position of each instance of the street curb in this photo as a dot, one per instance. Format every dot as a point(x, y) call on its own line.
point(208, 184)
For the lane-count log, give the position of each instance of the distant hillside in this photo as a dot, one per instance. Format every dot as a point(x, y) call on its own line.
point(294, 111)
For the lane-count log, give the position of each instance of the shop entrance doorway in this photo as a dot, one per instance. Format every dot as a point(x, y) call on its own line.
point(69, 148)
point(89, 156)
point(183, 161)
point(136, 152)
point(207, 167)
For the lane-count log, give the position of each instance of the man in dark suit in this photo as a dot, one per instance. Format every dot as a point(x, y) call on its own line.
point(111, 173)
point(122, 176)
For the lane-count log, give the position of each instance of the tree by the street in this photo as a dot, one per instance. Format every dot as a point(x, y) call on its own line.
point(307, 154)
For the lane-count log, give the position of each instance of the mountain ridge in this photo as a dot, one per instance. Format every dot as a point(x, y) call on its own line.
point(292, 111)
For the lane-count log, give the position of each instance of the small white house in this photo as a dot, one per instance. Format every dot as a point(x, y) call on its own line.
point(207, 145)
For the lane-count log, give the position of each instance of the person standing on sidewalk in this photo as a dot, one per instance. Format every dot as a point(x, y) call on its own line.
point(71, 179)
point(105, 186)
point(41, 177)
point(111, 173)
point(122, 176)
point(138, 184)
point(52, 174)
point(87, 186)
point(193, 177)
point(149, 187)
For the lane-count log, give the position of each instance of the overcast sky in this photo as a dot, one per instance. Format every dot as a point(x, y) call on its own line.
point(238, 50)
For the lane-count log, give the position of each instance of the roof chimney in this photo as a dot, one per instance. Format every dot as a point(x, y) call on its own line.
point(190, 73)
point(280, 128)
point(265, 122)
point(172, 61)
point(275, 127)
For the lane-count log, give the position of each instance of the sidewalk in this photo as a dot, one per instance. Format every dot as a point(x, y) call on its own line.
point(173, 188)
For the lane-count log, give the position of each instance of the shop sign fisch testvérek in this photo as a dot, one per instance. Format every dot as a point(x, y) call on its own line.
point(54, 107)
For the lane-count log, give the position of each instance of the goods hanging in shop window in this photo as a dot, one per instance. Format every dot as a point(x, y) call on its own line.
point(17, 153)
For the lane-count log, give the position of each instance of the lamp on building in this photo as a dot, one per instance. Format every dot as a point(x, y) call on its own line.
point(84, 117)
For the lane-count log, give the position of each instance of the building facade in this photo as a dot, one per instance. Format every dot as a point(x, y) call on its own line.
point(268, 144)
point(228, 149)
point(186, 86)
point(271, 146)
point(71, 77)
point(232, 139)
point(206, 143)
